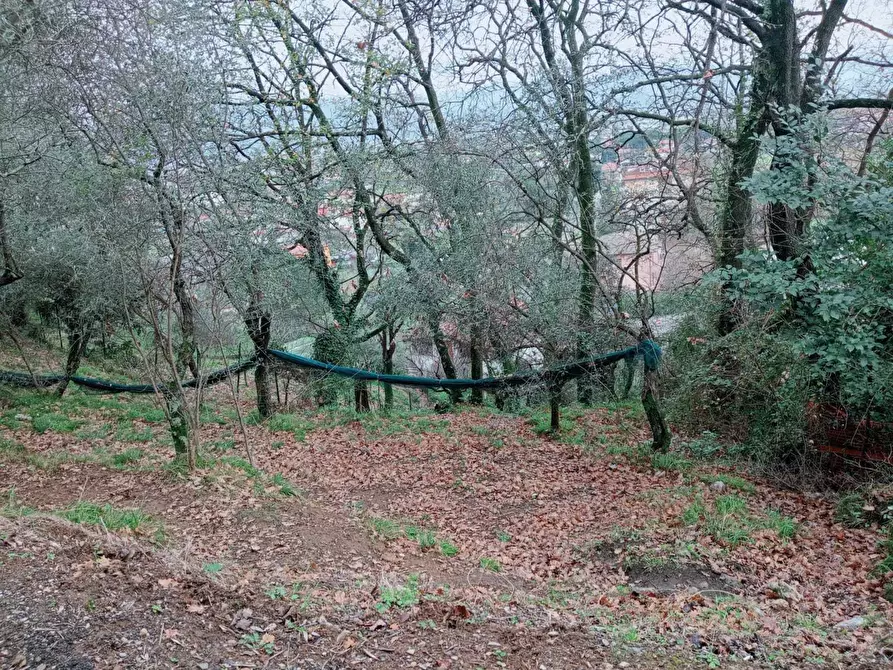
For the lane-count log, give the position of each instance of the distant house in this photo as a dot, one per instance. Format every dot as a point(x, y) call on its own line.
point(665, 261)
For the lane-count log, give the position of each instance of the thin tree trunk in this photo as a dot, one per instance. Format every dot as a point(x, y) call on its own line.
point(555, 410)
point(388, 348)
point(629, 374)
point(10, 271)
point(258, 323)
point(443, 351)
point(77, 345)
point(361, 397)
point(660, 432)
point(477, 364)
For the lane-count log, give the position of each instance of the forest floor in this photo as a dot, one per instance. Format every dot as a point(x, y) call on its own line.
point(466, 540)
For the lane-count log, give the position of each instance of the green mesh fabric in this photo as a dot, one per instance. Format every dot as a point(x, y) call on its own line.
point(649, 350)
point(106, 386)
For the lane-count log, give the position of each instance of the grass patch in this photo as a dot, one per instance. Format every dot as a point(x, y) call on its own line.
point(851, 510)
point(286, 423)
point(107, 516)
point(285, 487)
point(58, 423)
point(147, 414)
point(212, 568)
point(11, 447)
point(669, 461)
point(422, 536)
point(401, 597)
point(731, 481)
point(12, 507)
point(129, 432)
point(241, 464)
point(727, 520)
point(490, 564)
point(785, 526)
point(541, 420)
point(385, 529)
point(94, 432)
point(127, 457)
point(448, 549)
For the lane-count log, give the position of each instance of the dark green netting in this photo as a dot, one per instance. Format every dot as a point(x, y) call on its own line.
point(105, 386)
point(649, 351)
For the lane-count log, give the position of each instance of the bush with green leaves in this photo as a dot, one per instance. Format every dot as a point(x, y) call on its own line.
point(813, 325)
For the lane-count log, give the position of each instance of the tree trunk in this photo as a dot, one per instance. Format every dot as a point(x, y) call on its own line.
point(184, 431)
point(629, 375)
point(259, 325)
point(555, 410)
point(78, 338)
point(10, 271)
point(477, 364)
point(660, 432)
point(388, 348)
point(443, 351)
point(361, 397)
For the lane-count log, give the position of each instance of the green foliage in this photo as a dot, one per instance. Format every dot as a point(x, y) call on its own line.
point(12, 507)
point(276, 592)
point(285, 423)
point(851, 511)
point(147, 414)
point(705, 446)
point(11, 447)
point(730, 522)
point(257, 642)
point(241, 464)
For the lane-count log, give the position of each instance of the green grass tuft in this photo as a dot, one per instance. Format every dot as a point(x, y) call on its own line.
point(448, 549)
point(285, 487)
point(127, 457)
point(669, 461)
point(385, 528)
point(424, 537)
point(399, 596)
point(58, 423)
point(731, 481)
point(490, 564)
point(785, 526)
point(107, 516)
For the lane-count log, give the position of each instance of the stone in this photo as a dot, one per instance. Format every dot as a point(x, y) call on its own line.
point(852, 624)
point(718, 486)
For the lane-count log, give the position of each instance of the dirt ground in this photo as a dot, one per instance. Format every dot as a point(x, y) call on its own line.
point(419, 540)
